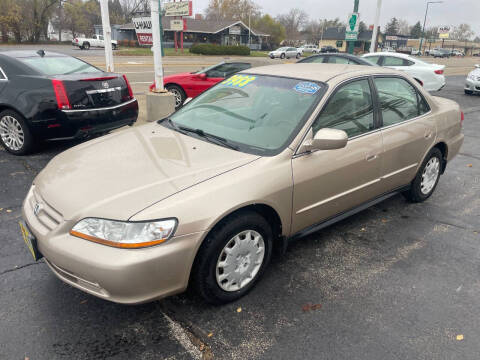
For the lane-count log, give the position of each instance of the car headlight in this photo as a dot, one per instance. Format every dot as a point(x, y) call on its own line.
point(124, 234)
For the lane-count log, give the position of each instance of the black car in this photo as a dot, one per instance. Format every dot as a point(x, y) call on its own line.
point(50, 96)
point(328, 49)
point(336, 59)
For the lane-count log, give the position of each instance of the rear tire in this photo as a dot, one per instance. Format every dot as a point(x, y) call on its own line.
point(282, 56)
point(86, 46)
point(218, 266)
point(15, 136)
point(426, 180)
point(298, 56)
point(179, 95)
point(114, 47)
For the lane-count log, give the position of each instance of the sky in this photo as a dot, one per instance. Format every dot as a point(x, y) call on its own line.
point(450, 12)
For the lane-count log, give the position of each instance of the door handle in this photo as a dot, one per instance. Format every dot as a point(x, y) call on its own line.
point(371, 157)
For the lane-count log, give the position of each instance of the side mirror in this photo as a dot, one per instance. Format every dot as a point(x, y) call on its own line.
point(202, 76)
point(326, 139)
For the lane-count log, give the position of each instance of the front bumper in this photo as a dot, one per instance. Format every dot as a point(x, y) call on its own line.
point(128, 276)
point(472, 85)
point(78, 123)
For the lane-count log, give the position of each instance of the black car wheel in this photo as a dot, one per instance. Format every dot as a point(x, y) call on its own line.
point(15, 135)
point(179, 95)
point(282, 56)
point(468, 92)
point(298, 56)
point(114, 47)
point(426, 181)
point(86, 45)
point(232, 258)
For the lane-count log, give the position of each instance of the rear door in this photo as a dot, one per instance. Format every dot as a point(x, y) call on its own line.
point(408, 130)
point(329, 182)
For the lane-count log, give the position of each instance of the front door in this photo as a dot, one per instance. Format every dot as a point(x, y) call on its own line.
point(329, 182)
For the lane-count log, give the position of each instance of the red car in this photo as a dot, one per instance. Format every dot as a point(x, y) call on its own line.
point(190, 85)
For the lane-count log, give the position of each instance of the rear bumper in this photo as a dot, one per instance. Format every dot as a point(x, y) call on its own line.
point(77, 123)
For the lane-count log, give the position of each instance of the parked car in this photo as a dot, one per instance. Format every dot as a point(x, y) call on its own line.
point(94, 41)
point(415, 52)
point(430, 76)
point(191, 84)
point(458, 53)
point(332, 58)
point(285, 52)
point(477, 54)
point(46, 95)
point(472, 83)
point(441, 53)
point(388, 49)
point(204, 196)
point(328, 49)
point(309, 49)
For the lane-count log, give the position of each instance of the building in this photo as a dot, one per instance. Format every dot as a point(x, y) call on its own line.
point(335, 36)
point(199, 31)
point(396, 41)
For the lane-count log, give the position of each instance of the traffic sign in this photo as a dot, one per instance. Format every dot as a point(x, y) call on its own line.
point(353, 21)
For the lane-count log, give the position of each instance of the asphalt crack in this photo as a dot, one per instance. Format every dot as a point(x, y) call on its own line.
point(20, 267)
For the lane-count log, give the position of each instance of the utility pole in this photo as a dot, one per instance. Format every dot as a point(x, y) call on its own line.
point(373, 43)
point(351, 43)
point(157, 47)
point(425, 20)
point(107, 35)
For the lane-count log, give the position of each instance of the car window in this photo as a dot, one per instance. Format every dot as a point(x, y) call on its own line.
point(100, 37)
point(314, 59)
point(94, 36)
point(393, 61)
point(339, 60)
point(225, 70)
point(61, 65)
point(349, 109)
point(260, 114)
point(399, 101)
point(372, 59)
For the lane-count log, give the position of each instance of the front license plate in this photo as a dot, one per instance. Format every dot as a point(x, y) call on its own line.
point(30, 241)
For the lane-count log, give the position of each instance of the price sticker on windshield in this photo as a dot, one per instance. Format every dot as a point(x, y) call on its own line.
point(239, 81)
point(307, 87)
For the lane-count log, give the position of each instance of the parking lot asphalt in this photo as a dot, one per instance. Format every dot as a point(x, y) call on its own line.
point(396, 281)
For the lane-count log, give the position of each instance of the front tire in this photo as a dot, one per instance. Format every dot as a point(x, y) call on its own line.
point(424, 184)
point(282, 56)
point(468, 92)
point(114, 47)
point(15, 136)
point(232, 258)
point(298, 56)
point(179, 95)
point(86, 46)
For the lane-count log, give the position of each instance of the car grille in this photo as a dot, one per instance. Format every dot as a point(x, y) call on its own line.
point(47, 217)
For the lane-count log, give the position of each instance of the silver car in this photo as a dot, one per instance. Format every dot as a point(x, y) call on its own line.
point(285, 52)
point(472, 83)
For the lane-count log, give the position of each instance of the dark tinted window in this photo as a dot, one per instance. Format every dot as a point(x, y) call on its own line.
point(314, 59)
point(399, 100)
point(225, 70)
point(349, 109)
point(59, 65)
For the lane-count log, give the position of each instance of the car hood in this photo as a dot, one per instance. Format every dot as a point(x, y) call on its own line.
point(169, 78)
point(121, 174)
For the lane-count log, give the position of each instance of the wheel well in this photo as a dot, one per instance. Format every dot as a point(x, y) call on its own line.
point(181, 88)
point(444, 150)
point(7, 107)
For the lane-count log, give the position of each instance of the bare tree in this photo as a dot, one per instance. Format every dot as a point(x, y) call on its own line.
point(233, 10)
point(403, 27)
point(462, 32)
point(293, 21)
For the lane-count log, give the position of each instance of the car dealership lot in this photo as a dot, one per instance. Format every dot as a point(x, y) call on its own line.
point(395, 281)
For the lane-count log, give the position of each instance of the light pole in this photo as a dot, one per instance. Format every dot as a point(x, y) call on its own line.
point(373, 43)
point(425, 20)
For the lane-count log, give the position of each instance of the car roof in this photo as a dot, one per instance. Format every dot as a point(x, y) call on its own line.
point(30, 53)
point(311, 71)
point(394, 54)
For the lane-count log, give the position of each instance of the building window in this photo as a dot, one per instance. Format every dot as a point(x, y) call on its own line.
point(339, 43)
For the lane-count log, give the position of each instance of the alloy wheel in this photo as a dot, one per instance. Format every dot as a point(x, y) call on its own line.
point(11, 132)
point(430, 175)
point(240, 260)
point(178, 96)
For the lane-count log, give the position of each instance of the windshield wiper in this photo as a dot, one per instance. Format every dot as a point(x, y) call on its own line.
point(219, 140)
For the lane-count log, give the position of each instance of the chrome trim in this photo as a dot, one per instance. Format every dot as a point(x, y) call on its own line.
point(101, 109)
point(398, 171)
point(100, 91)
point(4, 75)
point(309, 207)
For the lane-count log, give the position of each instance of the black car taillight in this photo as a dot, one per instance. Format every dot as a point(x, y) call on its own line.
point(130, 92)
point(61, 94)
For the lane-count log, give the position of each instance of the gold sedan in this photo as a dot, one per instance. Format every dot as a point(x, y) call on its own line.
point(202, 197)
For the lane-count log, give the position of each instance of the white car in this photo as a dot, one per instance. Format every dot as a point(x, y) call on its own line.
point(472, 84)
point(416, 52)
point(94, 41)
point(430, 76)
point(285, 52)
point(309, 49)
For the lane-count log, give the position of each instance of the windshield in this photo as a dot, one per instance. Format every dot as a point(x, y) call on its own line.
point(281, 49)
point(204, 70)
point(59, 65)
point(254, 113)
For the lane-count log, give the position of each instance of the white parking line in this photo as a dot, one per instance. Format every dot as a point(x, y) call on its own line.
point(177, 331)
